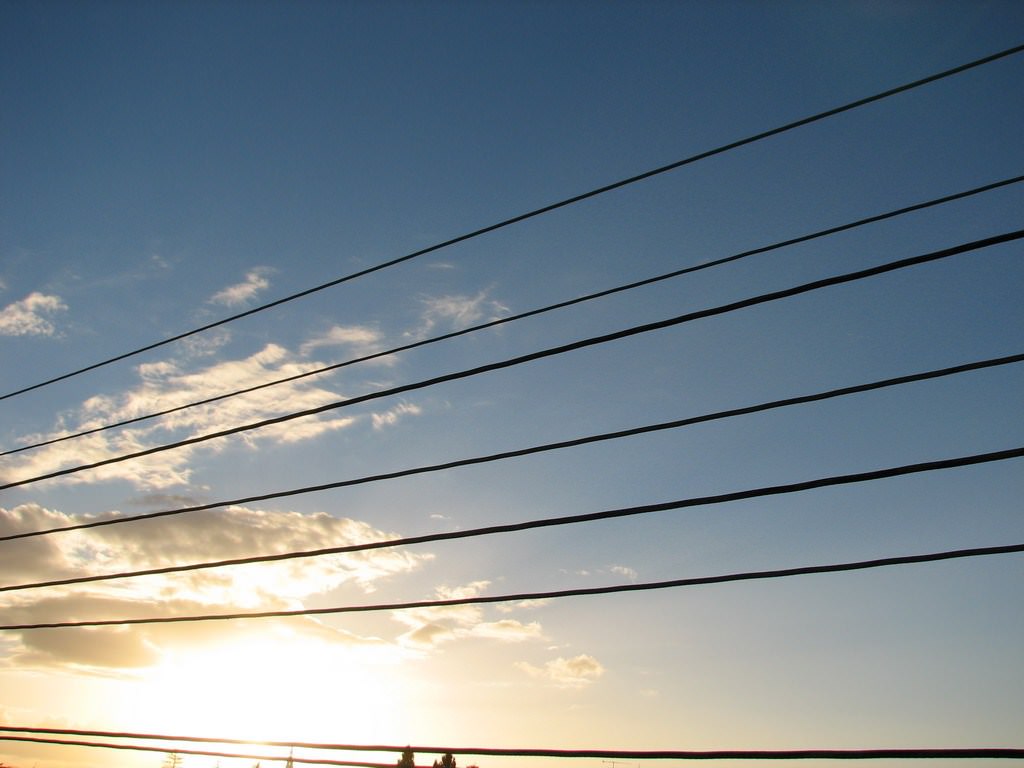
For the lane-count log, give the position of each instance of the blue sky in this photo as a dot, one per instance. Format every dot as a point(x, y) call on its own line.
point(165, 165)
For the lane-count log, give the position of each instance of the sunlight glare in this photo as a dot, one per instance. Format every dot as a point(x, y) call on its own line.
point(276, 687)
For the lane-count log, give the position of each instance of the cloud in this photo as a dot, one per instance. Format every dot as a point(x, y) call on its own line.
point(195, 537)
point(508, 630)
point(360, 338)
point(618, 570)
point(165, 500)
point(239, 293)
point(193, 377)
point(456, 312)
point(521, 604)
point(391, 416)
point(163, 385)
point(89, 647)
point(29, 317)
point(207, 343)
point(623, 570)
point(575, 672)
point(429, 627)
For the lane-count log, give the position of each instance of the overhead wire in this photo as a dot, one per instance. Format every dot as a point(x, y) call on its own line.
point(547, 522)
point(890, 753)
point(523, 315)
point(629, 754)
point(733, 306)
point(542, 448)
point(196, 752)
point(696, 581)
point(537, 212)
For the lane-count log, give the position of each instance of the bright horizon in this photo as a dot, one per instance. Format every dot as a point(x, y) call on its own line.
point(165, 165)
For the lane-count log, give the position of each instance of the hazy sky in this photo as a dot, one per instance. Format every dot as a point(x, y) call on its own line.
point(164, 165)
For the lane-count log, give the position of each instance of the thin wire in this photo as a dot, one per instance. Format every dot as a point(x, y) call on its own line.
point(199, 752)
point(530, 313)
point(662, 754)
point(547, 522)
point(539, 211)
point(605, 590)
point(519, 452)
point(549, 352)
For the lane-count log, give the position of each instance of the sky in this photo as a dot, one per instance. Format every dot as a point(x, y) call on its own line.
point(166, 165)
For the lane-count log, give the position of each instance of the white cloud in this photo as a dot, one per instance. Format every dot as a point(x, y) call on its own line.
point(239, 293)
point(177, 382)
point(163, 385)
point(508, 630)
point(362, 339)
point(429, 627)
point(575, 672)
point(623, 570)
point(30, 316)
point(206, 343)
point(618, 570)
point(390, 417)
point(522, 605)
point(456, 312)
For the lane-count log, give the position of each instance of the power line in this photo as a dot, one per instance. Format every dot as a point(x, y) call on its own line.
point(530, 313)
point(662, 754)
point(516, 453)
point(547, 522)
point(537, 212)
point(549, 352)
point(551, 595)
point(197, 752)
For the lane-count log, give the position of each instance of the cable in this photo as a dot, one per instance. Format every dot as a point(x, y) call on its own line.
point(662, 754)
point(537, 212)
point(481, 599)
point(549, 352)
point(530, 313)
point(547, 522)
point(679, 423)
point(199, 752)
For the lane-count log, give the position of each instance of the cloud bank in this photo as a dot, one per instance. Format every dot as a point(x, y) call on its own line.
point(196, 537)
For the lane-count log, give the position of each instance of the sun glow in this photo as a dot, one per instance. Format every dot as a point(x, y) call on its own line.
point(276, 686)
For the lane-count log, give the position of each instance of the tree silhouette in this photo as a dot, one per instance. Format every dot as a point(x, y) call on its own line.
point(406, 760)
point(448, 761)
point(173, 760)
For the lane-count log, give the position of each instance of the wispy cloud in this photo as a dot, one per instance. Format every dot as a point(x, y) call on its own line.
point(575, 672)
point(391, 416)
point(166, 384)
point(521, 605)
point(239, 293)
point(455, 312)
point(624, 570)
point(31, 316)
point(618, 570)
point(359, 338)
